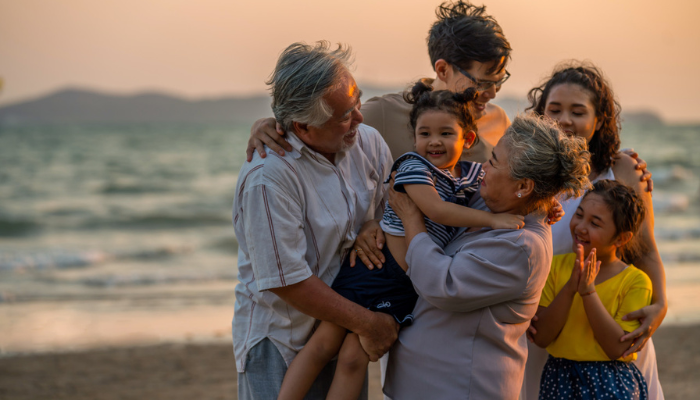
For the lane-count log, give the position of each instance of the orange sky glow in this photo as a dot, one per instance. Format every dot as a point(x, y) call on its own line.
point(204, 48)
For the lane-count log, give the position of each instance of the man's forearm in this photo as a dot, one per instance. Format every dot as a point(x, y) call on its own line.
point(316, 299)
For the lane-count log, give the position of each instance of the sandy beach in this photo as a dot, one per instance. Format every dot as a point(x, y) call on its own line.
point(195, 371)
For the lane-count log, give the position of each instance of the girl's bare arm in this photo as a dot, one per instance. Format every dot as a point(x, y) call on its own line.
point(445, 213)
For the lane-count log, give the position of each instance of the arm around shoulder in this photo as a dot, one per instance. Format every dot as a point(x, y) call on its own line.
point(650, 260)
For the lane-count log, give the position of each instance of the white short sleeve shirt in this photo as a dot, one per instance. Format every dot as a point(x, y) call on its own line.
point(295, 216)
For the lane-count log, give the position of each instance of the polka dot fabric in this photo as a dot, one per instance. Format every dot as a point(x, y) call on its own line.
point(564, 379)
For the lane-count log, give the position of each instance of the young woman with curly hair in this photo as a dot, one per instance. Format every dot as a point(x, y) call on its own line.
point(580, 99)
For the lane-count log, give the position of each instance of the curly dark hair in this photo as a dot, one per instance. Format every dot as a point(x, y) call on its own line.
point(424, 98)
point(464, 33)
point(628, 212)
point(606, 140)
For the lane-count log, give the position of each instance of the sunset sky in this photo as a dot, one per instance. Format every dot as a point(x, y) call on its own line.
point(650, 50)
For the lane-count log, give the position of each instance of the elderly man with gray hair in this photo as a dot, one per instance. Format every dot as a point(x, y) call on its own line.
point(296, 217)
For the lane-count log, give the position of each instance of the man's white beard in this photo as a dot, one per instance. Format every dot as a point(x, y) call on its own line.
point(347, 145)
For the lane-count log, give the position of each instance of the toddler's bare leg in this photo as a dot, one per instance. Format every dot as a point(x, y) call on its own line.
point(350, 371)
point(323, 345)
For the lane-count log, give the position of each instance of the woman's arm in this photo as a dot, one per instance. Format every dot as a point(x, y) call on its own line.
point(649, 262)
point(445, 213)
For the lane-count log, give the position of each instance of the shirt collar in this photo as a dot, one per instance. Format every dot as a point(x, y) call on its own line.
point(301, 147)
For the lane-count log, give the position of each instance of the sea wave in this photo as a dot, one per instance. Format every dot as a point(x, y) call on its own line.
point(11, 226)
point(154, 279)
point(677, 234)
point(134, 188)
point(66, 258)
point(159, 221)
point(667, 203)
point(672, 175)
point(681, 257)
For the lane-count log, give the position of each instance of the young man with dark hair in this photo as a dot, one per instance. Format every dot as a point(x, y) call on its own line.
point(467, 48)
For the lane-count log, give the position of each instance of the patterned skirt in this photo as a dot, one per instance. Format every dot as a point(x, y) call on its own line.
point(584, 380)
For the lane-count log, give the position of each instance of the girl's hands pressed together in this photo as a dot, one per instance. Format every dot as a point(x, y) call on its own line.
point(572, 284)
point(589, 271)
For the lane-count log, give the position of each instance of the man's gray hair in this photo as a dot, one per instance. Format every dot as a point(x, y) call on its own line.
point(555, 162)
point(303, 75)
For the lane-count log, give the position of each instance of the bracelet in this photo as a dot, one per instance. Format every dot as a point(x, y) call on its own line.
point(588, 293)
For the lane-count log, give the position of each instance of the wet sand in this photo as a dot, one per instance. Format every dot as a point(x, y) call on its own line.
point(196, 371)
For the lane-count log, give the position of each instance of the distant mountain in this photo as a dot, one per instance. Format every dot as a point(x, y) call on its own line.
point(645, 117)
point(83, 106)
point(71, 106)
point(86, 106)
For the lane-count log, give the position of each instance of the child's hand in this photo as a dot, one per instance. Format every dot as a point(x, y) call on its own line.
point(589, 272)
point(507, 221)
point(556, 212)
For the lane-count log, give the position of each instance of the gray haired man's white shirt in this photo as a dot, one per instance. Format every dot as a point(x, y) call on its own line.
point(295, 216)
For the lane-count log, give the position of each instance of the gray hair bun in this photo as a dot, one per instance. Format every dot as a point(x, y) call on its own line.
point(541, 152)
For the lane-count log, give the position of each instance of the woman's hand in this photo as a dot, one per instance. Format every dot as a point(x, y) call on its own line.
point(651, 317)
point(589, 271)
point(368, 245)
point(556, 212)
point(507, 221)
point(641, 166)
point(266, 131)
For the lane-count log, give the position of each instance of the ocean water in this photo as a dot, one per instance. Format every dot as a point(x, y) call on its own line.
point(122, 234)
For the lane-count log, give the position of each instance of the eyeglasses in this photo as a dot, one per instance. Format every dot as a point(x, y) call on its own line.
point(480, 85)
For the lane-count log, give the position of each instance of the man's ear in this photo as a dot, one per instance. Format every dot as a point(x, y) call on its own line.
point(469, 139)
point(300, 129)
point(443, 70)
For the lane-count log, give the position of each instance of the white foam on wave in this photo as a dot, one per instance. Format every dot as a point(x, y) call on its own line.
point(68, 258)
point(139, 279)
point(670, 202)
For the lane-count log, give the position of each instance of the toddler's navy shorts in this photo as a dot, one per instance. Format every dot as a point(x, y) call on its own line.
point(388, 290)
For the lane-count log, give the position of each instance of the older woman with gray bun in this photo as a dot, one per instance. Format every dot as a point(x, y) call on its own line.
point(478, 294)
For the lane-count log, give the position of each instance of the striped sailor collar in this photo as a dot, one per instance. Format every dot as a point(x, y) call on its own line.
point(471, 171)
